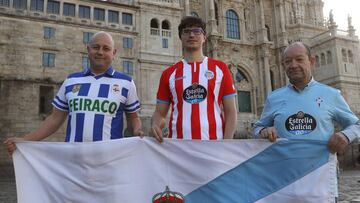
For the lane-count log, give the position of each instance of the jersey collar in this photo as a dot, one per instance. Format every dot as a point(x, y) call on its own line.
point(110, 72)
point(312, 81)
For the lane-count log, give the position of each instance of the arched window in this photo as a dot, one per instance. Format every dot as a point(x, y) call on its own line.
point(344, 56)
point(317, 62)
point(329, 57)
point(323, 60)
point(232, 25)
point(272, 80)
point(268, 34)
point(193, 13)
point(154, 27)
point(240, 76)
point(165, 25)
point(154, 23)
point(244, 94)
point(350, 56)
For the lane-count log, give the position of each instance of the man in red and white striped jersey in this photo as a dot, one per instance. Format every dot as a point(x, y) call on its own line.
point(198, 89)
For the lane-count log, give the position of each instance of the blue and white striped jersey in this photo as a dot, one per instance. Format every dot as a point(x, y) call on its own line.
point(96, 104)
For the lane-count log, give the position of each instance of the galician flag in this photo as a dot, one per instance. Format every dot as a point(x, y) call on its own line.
point(135, 170)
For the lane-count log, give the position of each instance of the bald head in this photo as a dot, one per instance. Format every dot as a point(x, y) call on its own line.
point(102, 35)
point(297, 44)
point(101, 52)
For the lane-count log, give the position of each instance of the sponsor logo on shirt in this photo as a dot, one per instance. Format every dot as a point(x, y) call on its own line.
point(94, 105)
point(300, 123)
point(319, 101)
point(115, 88)
point(75, 88)
point(194, 94)
point(209, 75)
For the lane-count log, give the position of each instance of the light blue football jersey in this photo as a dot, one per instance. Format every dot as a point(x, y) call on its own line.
point(306, 114)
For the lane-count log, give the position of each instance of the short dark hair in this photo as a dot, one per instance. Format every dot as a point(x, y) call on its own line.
point(307, 47)
point(191, 21)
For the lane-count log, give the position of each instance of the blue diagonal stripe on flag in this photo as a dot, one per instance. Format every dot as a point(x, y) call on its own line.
point(264, 173)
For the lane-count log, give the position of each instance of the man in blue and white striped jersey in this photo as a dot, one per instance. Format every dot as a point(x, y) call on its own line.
point(93, 100)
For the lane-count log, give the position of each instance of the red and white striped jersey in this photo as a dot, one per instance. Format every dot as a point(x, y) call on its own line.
point(195, 92)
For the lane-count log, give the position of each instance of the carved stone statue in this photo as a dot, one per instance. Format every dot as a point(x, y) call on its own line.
point(331, 17)
point(349, 21)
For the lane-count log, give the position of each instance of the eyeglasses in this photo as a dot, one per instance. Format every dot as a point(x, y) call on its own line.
point(196, 31)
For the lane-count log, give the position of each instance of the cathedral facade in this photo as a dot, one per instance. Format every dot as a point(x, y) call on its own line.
point(42, 41)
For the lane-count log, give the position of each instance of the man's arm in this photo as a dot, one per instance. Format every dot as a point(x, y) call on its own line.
point(158, 120)
point(51, 124)
point(340, 140)
point(230, 117)
point(134, 123)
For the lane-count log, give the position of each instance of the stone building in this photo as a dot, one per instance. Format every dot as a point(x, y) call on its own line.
point(42, 41)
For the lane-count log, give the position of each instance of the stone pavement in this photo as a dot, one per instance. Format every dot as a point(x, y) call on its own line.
point(349, 186)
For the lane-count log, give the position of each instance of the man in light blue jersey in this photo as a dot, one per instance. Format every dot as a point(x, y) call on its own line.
point(94, 101)
point(306, 109)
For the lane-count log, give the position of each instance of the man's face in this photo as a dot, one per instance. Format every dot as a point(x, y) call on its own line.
point(101, 52)
point(192, 38)
point(297, 64)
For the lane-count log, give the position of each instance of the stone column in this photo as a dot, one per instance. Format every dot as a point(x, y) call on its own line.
point(213, 26)
point(262, 22)
point(187, 8)
point(267, 73)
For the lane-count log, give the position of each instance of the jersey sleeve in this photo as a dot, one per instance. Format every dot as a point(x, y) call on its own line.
point(60, 101)
point(266, 119)
point(163, 94)
point(227, 88)
point(132, 103)
point(345, 117)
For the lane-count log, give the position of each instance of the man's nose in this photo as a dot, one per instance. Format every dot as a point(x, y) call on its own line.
point(100, 51)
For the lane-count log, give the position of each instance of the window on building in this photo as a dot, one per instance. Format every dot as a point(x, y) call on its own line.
point(344, 56)
point(350, 56)
point(165, 43)
point(323, 60)
point(85, 62)
point(99, 14)
point(127, 19)
point(20, 4)
point(128, 67)
point(49, 32)
point(244, 101)
point(317, 62)
point(154, 23)
point(113, 16)
point(154, 27)
point(272, 80)
point(127, 43)
point(87, 37)
point(5, 3)
point(84, 12)
point(45, 99)
point(268, 33)
point(69, 9)
point(329, 57)
point(193, 13)
point(53, 7)
point(240, 76)
point(37, 5)
point(232, 25)
point(48, 59)
point(165, 25)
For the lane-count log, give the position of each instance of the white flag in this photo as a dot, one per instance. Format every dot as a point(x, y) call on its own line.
point(135, 170)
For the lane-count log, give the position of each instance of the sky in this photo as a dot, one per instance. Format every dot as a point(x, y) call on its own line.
point(341, 9)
